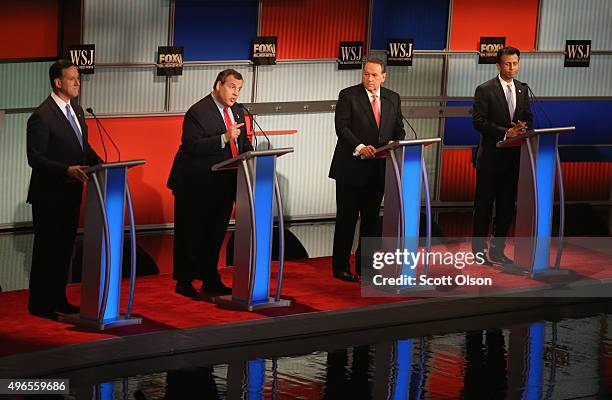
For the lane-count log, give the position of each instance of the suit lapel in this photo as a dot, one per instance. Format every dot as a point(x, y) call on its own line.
point(501, 96)
point(214, 110)
point(518, 87)
point(239, 119)
point(81, 120)
point(63, 120)
point(386, 107)
point(364, 100)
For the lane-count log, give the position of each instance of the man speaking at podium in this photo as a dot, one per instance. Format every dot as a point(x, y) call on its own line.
point(501, 110)
point(58, 153)
point(213, 131)
point(367, 116)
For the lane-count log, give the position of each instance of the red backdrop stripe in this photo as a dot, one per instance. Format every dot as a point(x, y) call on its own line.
point(30, 28)
point(583, 181)
point(154, 139)
point(514, 19)
point(313, 28)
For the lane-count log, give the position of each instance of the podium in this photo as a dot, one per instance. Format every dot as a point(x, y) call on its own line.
point(405, 174)
point(257, 188)
point(535, 199)
point(107, 196)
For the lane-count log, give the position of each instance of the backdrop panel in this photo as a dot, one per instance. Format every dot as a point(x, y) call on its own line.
point(303, 82)
point(24, 84)
point(472, 19)
point(124, 90)
point(202, 28)
point(197, 82)
point(14, 170)
point(36, 38)
point(425, 21)
point(126, 31)
point(313, 28)
point(575, 19)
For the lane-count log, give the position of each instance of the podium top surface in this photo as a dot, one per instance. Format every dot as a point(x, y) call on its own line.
point(383, 151)
point(233, 162)
point(516, 140)
point(118, 164)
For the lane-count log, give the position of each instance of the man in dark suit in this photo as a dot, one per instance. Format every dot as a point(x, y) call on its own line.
point(501, 110)
point(213, 131)
point(367, 116)
point(59, 154)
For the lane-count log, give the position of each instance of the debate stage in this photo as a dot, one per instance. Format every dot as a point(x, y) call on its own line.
point(320, 305)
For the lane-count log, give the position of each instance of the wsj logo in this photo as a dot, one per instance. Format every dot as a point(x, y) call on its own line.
point(488, 48)
point(171, 60)
point(399, 52)
point(350, 55)
point(264, 50)
point(83, 56)
point(577, 53)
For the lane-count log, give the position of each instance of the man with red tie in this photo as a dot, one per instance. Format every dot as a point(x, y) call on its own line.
point(367, 116)
point(213, 131)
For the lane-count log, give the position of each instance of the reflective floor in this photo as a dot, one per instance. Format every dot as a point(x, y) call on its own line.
point(568, 358)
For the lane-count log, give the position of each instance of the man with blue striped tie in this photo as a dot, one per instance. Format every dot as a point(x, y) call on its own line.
point(58, 153)
point(501, 110)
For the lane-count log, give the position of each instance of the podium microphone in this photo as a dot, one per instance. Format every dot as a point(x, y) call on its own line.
point(404, 118)
point(537, 102)
point(246, 110)
point(411, 128)
point(99, 124)
point(89, 110)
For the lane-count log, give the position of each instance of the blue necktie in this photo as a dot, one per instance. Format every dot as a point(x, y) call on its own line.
point(510, 102)
point(73, 124)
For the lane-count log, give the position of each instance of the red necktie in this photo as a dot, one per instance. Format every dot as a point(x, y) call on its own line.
point(228, 124)
point(375, 110)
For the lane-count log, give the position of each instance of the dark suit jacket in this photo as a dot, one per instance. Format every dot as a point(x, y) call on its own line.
point(201, 148)
point(52, 146)
point(355, 124)
point(491, 118)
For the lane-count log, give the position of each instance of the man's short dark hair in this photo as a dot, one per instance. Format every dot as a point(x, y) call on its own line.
point(507, 51)
point(222, 77)
point(375, 60)
point(57, 70)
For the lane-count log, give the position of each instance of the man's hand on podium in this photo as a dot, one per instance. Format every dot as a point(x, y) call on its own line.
point(233, 132)
point(517, 129)
point(77, 172)
point(367, 151)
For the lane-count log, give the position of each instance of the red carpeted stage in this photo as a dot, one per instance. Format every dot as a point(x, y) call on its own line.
point(320, 305)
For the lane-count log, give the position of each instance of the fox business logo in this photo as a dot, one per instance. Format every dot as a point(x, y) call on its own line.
point(399, 52)
point(488, 48)
point(169, 61)
point(577, 53)
point(350, 55)
point(264, 50)
point(83, 56)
